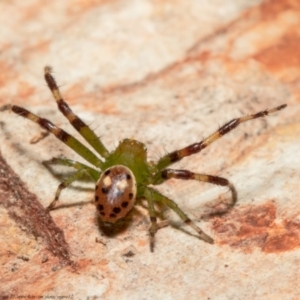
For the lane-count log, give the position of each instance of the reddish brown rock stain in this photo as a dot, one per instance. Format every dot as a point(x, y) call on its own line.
point(25, 90)
point(282, 55)
point(272, 8)
point(251, 227)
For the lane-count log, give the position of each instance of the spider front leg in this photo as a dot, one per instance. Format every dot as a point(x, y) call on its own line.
point(186, 175)
point(75, 121)
point(177, 155)
point(59, 133)
point(82, 170)
point(152, 195)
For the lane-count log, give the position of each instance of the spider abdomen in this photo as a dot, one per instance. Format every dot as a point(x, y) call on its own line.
point(115, 193)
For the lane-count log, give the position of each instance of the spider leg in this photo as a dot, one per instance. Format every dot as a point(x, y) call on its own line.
point(153, 228)
point(74, 164)
point(186, 175)
point(76, 122)
point(153, 195)
point(66, 183)
point(59, 133)
point(197, 147)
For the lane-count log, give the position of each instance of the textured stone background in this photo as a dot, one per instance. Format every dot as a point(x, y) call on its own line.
point(167, 73)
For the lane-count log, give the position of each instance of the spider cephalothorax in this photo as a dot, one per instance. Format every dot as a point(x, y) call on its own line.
point(125, 174)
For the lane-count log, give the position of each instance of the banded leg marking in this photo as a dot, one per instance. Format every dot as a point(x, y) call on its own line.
point(197, 147)
point(186, 175)
point(59, 133)
point(76, 122)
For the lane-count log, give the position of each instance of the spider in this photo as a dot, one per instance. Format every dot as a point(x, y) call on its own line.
point(125, 174)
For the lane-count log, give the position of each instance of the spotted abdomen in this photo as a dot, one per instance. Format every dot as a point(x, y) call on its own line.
point(115, 193)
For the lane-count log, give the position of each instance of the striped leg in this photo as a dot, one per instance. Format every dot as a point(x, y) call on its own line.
point(74, 164)
point(197, 147)
point(62, 135)
point(186, 175)
point(76, 122)
point(154, 195)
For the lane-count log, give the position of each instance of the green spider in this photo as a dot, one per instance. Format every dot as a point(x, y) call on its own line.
point(124, 174)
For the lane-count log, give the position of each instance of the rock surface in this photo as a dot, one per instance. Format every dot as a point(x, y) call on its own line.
point(167, 73)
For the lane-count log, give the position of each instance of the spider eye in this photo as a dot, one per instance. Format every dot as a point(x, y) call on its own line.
point(115, 193)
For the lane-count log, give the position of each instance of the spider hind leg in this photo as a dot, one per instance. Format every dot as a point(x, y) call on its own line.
point(152, 195)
